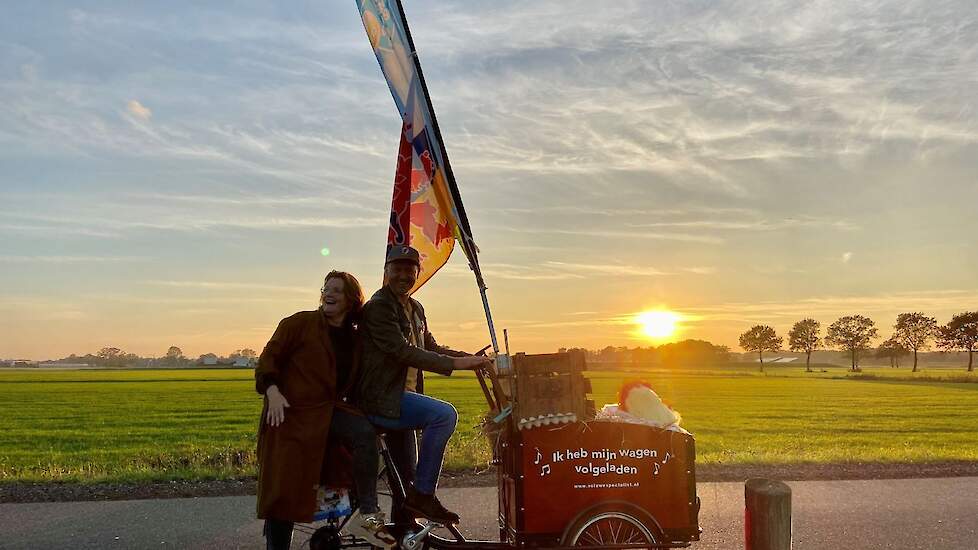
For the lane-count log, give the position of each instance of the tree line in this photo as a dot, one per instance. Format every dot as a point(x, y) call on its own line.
point(174, 357)
point(854, 334)
point(685, 353)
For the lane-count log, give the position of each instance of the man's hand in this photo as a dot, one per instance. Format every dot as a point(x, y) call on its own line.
point(472, 362)
point(276, 406)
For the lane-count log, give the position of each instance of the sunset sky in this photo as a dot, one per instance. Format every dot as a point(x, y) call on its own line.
point(169, 173)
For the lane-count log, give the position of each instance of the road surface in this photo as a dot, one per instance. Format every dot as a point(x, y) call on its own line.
point(931, 514)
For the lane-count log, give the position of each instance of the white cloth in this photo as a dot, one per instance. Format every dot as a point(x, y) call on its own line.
point(613, 413)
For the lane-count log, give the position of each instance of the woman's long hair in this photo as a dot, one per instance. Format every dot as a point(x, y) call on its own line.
point(353, 292)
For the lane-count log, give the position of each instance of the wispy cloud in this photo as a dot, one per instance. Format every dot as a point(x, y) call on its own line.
point(613, 234)
point(70, 259)
point(550, 270)
point(835, 306)
point(117, 227)
point(609, 269)
point(751, 225)
point(139, 110)
point(235, 286)
point(514, 272)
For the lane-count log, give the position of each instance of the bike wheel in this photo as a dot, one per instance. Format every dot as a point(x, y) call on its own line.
point(610, 525)
point(325, 538)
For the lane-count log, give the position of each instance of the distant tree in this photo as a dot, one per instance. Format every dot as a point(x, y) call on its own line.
point(722, 353)
point(761, 338)
point(109, 353)
point(689, 353)
point(853, 334)
point(961, 333)
point(174, 355)
point(109, 356)
point(914, 331)
point(893, 350)
point(803, 337)
point(246, 353)
point(644, 355)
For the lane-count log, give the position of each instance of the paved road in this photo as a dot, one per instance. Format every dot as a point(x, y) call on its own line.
point(931, 514)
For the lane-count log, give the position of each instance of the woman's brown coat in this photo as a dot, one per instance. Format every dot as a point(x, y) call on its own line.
point(299, 359)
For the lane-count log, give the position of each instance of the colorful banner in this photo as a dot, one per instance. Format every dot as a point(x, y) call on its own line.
point(424, 213)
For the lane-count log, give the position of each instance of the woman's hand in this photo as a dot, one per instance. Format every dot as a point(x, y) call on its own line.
point(276, 406)
point(472, 362)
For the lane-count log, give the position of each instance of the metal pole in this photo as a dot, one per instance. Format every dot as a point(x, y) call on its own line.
point(485, 305)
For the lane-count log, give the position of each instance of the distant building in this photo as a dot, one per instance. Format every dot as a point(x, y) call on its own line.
point(208, 359)
point(243, 362)
point(20, 363)
point(776, 360)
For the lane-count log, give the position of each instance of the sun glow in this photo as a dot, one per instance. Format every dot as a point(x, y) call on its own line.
point(658, 324)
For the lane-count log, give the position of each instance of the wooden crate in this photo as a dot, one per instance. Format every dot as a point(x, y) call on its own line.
point(549, 389)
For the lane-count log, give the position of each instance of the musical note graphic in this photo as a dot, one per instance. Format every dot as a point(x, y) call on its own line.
point(655, 472)
point(666, 459)
point(544, 470)
point(539, 456)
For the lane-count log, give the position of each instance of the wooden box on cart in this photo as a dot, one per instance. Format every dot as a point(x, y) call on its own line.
point(549, 389)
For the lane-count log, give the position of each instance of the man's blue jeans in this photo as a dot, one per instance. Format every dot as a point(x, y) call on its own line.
point(436, 419)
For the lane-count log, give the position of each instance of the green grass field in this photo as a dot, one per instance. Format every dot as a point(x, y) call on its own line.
point(131, 425)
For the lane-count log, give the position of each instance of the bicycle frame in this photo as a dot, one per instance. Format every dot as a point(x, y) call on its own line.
point(425, 537)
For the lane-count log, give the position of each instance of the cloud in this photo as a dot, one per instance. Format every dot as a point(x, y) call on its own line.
point(609, 269)
point(513, 272)
point(235, 286)
point(700, 270)
point(183, 222)
point(752, 224)
point(618, 234)
point(555, 270)
point(835, 306)
point(70, 259)
point(138, 110)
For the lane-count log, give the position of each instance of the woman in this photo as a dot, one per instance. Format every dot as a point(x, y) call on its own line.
point(306, 372)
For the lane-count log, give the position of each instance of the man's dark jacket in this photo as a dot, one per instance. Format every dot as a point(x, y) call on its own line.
point(387, 354)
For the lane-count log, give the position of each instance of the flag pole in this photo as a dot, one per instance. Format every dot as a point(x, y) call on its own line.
point(468, 244)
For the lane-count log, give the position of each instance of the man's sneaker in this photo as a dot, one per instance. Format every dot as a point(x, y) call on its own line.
point(371, 528)
point(428, 506)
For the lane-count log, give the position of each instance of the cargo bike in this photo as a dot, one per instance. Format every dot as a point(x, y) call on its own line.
point(564, 477)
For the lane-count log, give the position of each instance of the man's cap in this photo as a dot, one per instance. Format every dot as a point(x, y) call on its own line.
point(400, 252)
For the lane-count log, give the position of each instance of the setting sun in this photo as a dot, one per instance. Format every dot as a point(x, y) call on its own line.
point(658, 324)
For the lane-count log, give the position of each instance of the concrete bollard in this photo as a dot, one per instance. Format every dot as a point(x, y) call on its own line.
point(767, 515)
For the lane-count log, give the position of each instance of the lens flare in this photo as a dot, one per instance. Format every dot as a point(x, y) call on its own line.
point(324, 252)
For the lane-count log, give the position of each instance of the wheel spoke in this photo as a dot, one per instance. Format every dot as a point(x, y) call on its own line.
point(621, 529)
point(594, 541)
point(614, 532)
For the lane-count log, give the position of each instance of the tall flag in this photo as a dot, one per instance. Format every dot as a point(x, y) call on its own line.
point(426, 210)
